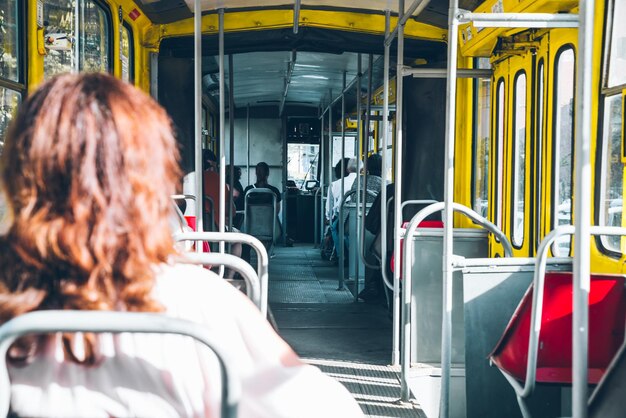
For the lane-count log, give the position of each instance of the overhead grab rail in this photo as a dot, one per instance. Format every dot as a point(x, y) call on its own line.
point(442, 72)
point(537, 309)
point(407, 273)
point(237, 237)
point(253, 283)
point(517, 20)
point(46, 322)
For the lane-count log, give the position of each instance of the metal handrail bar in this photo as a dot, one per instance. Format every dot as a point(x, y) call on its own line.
point(342, 231)
point(263, 190)
point(383, 235)
point(537, 303)
point(442, 72)
point(237, 237)
point(359, 152)
point(316, 233)
point(398, 166)
point(197, 74)
point(407, 273)
point(221, 226)
point(183, 197)
point(296, 16)
point(253, 283)
point(462, 262)
point(395, 351)
point(518, 20)
point(46, 322)
point(583, 132)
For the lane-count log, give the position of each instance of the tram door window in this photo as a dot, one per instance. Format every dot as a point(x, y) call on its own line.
point(127, 53)
point(11, 74)
point(499, 136)
point(539, 145)
point(93, 40)
point(617, 48)
point(562, 146)
point(482, 109)
point(519, 158)
point(613, 148)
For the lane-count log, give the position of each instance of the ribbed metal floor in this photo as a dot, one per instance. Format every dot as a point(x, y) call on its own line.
point(349, 341)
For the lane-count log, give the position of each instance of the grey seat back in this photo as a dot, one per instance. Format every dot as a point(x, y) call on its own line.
point(260, 214)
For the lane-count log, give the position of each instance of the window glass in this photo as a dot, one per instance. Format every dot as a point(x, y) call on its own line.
point(617, 53)
point(9, 40)
point(94, 43)
point(481, 145)
point(61, 32)
point(611, 198)
point(539, 146)
point(127, 55)
point(519, 159)
point(500, 151)
point(302, 162)
point(562, 147)
point(9, 101)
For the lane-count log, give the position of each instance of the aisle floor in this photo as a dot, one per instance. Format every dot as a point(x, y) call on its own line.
point(348, 341)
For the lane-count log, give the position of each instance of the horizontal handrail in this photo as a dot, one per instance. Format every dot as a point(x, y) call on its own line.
point(253, 284)
point(45, 322)
point(237, 237)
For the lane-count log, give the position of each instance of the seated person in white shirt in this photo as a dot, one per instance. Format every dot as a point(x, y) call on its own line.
point(88, 169)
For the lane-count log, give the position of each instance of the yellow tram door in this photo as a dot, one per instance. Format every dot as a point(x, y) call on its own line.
point(511, 148)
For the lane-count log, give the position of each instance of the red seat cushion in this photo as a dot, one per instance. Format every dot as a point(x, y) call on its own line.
point(607, 309)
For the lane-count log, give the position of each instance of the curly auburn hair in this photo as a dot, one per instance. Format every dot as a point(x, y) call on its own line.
point(88, 169)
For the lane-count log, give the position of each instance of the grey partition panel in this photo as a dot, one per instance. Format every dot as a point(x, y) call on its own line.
point(491, 296)
point(428, 289)
point(353, 250)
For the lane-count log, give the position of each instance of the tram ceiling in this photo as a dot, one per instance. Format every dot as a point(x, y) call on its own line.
point(260, 77)
point(167, 11)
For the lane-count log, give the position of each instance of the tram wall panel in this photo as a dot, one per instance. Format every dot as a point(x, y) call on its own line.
point(176, 76)
point(424, 141)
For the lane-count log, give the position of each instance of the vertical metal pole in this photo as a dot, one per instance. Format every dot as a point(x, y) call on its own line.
point(76, 66)
point(368, 110)
point(248, 141)
point(342, 255)
point(222, 202)
point(448, 226)
point(405, 359)
point(320, 164)
point(355, 248)
point(231, 145)
point(580, 324)
point(197, 16)
point(395, 354)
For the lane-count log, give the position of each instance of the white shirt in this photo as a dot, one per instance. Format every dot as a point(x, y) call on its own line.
point(335, 195)
point(171, 376)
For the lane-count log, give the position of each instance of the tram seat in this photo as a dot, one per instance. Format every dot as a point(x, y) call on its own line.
point(260, 219)
point(73, 321)
point(607, 399)
point(423, 224)
point(607, 309)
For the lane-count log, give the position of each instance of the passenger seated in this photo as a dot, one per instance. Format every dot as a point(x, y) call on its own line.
point(337, 197)
point(88, 169)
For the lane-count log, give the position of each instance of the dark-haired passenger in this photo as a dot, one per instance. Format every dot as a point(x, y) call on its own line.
point(88, 169)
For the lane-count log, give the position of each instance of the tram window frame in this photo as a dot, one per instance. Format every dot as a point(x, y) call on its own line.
point(498, 130)
point(555, 132)
point(518, 240)
point(131, 52)
point(601, 190)
point(609, 71)
point(478, 120)
point(107, 12)
point(539, 139)
point(17, 85)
